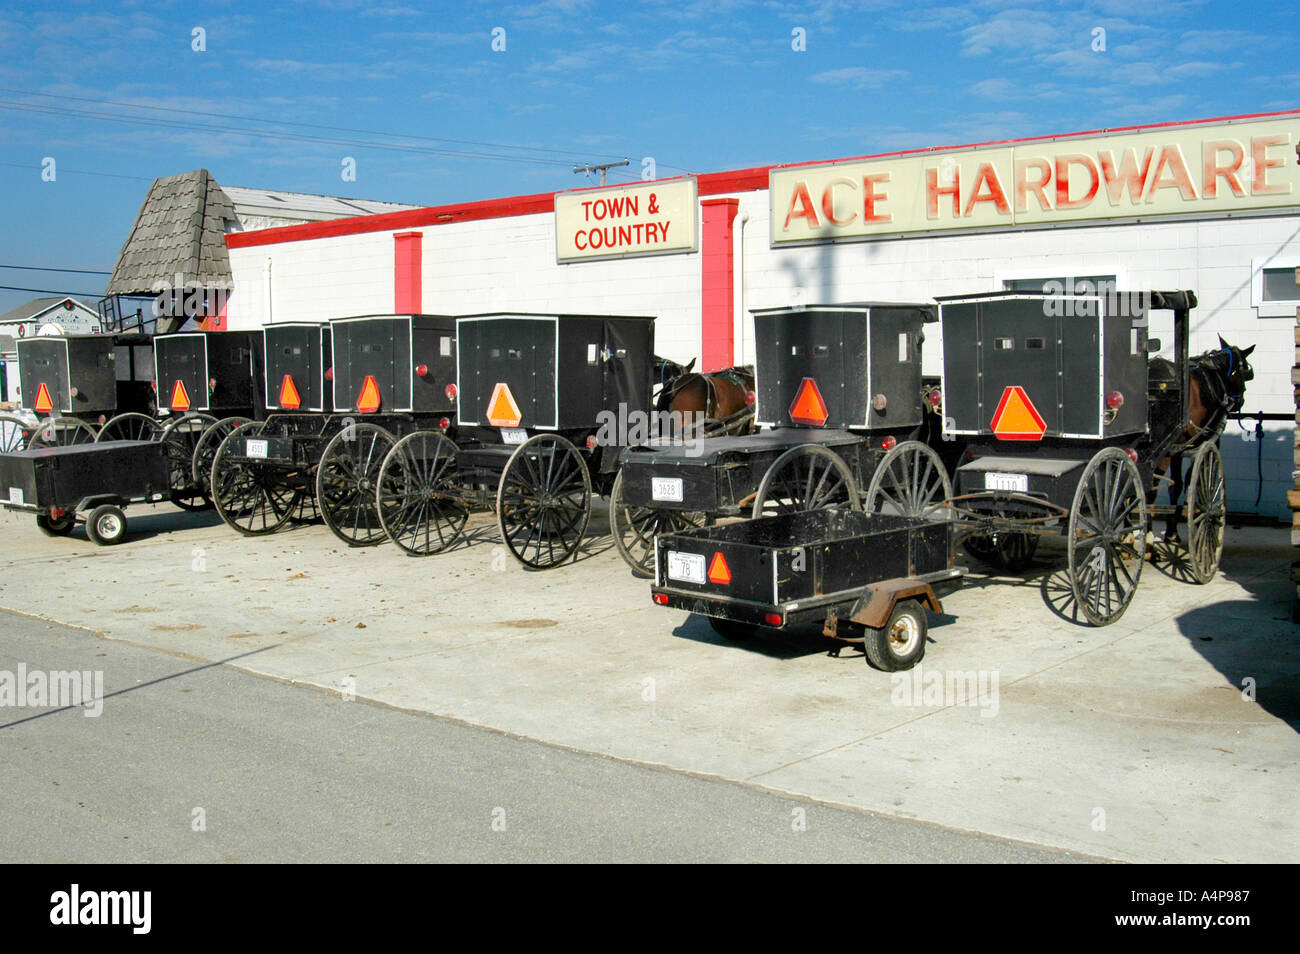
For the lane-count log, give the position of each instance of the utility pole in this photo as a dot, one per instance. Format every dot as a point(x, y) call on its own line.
point(588, 170)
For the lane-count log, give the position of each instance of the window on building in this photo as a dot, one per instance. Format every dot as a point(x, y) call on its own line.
point(1279, 284)
point(1082, 284)
point(1273, 288)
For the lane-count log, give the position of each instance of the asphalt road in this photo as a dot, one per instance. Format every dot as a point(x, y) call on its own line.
point(202, 762)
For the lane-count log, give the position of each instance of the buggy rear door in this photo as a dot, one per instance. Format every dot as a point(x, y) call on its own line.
point(517, 352)
point(628, 374)
point(45, 362)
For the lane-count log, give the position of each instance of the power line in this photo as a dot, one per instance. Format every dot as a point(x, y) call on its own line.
point(53, 291)
point(41, 268)
point(79, 172)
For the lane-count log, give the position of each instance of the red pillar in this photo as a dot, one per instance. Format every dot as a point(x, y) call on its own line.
point(718, 274)
point(407, 262)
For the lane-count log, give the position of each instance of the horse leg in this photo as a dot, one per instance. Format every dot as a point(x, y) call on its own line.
point(1175, 495)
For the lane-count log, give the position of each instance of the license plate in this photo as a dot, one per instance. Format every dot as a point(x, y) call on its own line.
point(513, 435)
point(1016, 483)
point(16, 495)
point(255, 448)
point(687, 567)
point(666, 488)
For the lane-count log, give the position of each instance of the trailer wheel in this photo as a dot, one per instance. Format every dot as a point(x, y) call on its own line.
point(544, 501)
point(346, 482)
point(206, 449)
point(1010, 552)
point(180, 439)
point(61, 432)
point(14, 433)
point(418, 497)
point(106, 525)
point(635, 528)
point(249, 496)
point(1106, 539)
point(910, 481)
point(131, 426)
point(733, 629)
point(56, 526)
point(807, 477)
point(900, 643)
point(1207, 509)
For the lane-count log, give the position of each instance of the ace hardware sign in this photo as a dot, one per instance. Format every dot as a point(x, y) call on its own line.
point(652, 218)
point(1209, 169)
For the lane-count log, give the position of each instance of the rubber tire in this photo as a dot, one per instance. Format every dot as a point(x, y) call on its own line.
point(95, 532)
point(881, 653)
point(56, 528)
point(732, 629)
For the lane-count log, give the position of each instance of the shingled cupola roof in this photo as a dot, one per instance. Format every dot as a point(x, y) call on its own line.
point(181, 230)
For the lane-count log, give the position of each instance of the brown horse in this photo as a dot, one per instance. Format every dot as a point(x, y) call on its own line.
point(1218, 389)
point(722, 400)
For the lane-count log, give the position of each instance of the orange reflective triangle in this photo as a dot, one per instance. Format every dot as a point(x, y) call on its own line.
point(180, 397)
point(503, 411)
point(369, 401)
point(289, 399)
point(809, 407)
point(43, 402)
point(719, 572)
point(1016, 418)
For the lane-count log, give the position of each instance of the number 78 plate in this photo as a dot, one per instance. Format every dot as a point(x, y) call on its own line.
point(687, 567)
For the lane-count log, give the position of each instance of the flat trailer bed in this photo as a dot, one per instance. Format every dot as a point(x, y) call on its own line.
point(58, 483)
point(867, 577)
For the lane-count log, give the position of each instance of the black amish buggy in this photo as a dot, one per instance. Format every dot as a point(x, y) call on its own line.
point(844, 418)
point(539, 399)
point(1064, 433)
point(78, 382)
point(339, 396)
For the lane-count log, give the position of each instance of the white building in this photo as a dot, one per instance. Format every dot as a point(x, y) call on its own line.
point(1212, 205)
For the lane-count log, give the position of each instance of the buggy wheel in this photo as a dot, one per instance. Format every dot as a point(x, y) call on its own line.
point(206, 449)
point(1207, 509)
point(900, 644)
point(733, 629)
point(420, 505)
point(14, 433)
point(180, 438)
point(635, 528)
point(305, 510)
point(1011, 552)
point(807, 477)
point(248, 494)
point(106, 525)
point(60, 432)
point(544, 501)
point(910, 481)
point(131, 426)
point(1107, 536)
point(346, 480)
point(56, 526)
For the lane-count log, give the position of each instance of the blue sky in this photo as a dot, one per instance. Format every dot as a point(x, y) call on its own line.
point(699, 87)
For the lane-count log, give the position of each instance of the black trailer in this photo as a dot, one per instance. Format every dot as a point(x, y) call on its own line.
point(540, 403)
point(91, 482)
point(78, 382)
point(866, 578)
point(1062, 432)
point(846, 418)
point(339, 397)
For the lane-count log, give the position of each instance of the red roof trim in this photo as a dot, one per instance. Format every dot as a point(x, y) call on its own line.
point(711, 183)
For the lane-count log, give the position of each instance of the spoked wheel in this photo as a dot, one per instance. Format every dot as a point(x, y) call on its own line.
point(635, 528)
point(14, 433)
point(61, 432)
point(305, 510)
point(131, 426)
point(248, 494)
point(180, 438)
point(346, 482)
point(1207, 510)
point(206, 449)
point(420, 506)
point(910, 481)
point(544, 501)
point(807, 477)
point(1107, 536)
point(1011, 552)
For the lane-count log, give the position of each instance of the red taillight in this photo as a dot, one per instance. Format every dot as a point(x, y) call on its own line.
point(154, 385)
point(661, 599)
point(329, 374)
point(750, 397)
point(879, 402)
point(774, 619)
point(422, 370)
point(212, 385)
point(592, 442)
point(1114, 400)
point(889, 443)
point(73, 391)
point(450, 391)
point(445, 423)
point(1132, 454)
point(935, 398)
